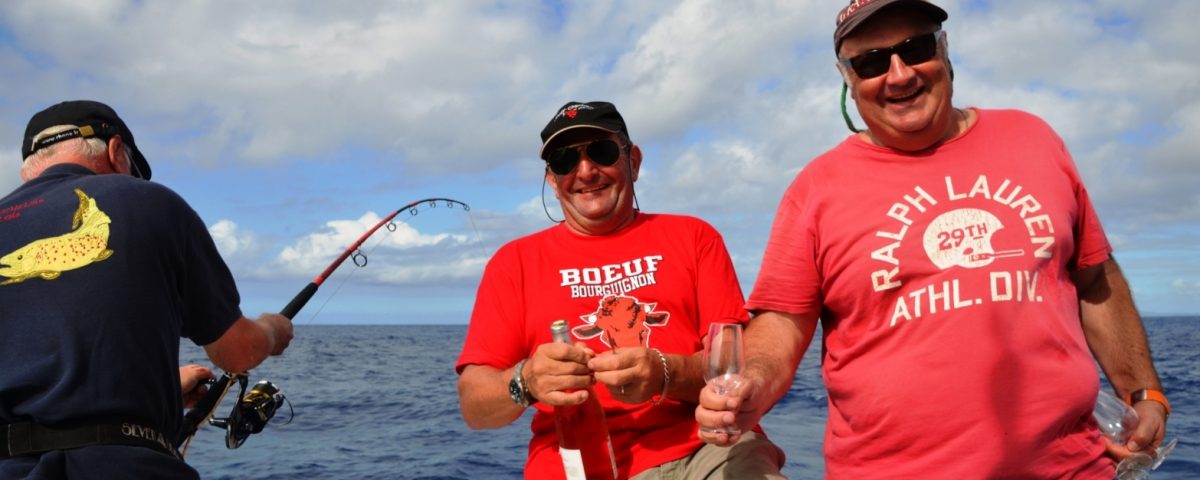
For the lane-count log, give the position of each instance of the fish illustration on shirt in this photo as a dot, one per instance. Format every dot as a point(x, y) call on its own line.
point(49, 257)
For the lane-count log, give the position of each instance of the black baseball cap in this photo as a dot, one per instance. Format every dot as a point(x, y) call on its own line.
point(858, 11)
point(94, 119)
point(601, 115)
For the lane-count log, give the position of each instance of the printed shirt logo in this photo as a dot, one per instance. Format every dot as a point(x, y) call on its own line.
point(963, 238)
point(49, 257)
point(621, 321)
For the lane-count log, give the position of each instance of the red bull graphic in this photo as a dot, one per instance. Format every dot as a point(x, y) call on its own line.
point(621, 321)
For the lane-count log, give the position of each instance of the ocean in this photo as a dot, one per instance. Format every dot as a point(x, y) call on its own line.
point(380, 402)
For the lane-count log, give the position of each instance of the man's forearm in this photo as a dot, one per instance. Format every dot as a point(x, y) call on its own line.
point(483, 397)
point(1114, 330)
point(775, 343)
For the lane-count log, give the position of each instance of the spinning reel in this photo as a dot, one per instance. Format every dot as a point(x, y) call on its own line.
point(252, 412)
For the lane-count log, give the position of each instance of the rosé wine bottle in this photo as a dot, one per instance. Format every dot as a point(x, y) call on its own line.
point(583, 440)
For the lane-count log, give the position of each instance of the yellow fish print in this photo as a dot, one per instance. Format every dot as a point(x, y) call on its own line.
point(49, 257)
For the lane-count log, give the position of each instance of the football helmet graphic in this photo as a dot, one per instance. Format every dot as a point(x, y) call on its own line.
point(963, 238)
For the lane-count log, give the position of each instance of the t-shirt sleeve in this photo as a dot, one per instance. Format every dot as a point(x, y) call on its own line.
point(1091, 243)
point(718, 293)
point(207, 289)
point(497, 317)
point(788, 280)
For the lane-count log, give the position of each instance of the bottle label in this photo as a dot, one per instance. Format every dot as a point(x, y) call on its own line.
point(572, 463)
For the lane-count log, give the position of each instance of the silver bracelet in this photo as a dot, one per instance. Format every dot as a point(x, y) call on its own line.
point(666, 377)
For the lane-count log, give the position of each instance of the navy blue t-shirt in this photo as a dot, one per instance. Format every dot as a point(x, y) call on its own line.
point(100, 277)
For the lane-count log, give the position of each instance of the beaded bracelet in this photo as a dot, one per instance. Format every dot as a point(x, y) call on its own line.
point(666, 377)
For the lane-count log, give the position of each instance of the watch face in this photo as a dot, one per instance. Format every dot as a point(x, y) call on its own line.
point(516, 393)
point(514, 390)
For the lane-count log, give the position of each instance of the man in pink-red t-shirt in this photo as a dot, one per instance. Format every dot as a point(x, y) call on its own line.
point(963, 282)
point(638, 292)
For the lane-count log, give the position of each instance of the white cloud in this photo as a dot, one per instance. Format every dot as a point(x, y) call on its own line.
point(728, 100)
point(232, 242)
point(1186, 286)
point(315, 251)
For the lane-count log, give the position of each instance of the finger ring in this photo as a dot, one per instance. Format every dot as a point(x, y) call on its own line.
point(622, 389)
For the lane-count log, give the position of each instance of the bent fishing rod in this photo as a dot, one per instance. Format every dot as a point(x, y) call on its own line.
point(252, 411)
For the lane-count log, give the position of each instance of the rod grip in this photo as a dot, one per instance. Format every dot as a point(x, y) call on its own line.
point(299, 300)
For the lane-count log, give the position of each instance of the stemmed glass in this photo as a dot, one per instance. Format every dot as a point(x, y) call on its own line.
point(724, 362)
point(1117, 420)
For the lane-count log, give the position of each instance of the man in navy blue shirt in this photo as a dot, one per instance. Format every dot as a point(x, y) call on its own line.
point(101, 273)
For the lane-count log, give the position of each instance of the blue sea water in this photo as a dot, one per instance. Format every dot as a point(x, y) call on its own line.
point(380, 402)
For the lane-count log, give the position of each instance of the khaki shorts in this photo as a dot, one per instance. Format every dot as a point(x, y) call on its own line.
point(752, 457)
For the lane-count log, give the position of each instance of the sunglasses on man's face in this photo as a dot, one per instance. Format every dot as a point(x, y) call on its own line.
point(601, 152)
point(914, 50)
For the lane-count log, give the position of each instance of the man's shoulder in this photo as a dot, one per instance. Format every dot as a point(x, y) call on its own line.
point(674, 221)
point(1009, 116)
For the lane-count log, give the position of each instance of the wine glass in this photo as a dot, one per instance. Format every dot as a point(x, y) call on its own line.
point(723, 364)
point(1117, 420)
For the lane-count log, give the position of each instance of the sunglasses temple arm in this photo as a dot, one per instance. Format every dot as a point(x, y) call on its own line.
point(845, 114)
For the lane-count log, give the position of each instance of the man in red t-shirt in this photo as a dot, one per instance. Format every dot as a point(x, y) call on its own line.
point(962, 278)
point(638, 292)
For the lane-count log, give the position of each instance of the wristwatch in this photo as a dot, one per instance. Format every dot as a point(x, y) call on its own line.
point(516, 387)
point(1152, 395)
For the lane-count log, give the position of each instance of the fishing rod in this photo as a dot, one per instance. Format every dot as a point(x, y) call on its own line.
point(253, 410)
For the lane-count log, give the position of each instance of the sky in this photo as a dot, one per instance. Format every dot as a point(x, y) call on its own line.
point(292, 127)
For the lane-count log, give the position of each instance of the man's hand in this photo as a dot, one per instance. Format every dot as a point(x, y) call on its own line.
point(555, 368)
point(192, 382)
point(632, 375)
point(736, 409)
point(1152, 427)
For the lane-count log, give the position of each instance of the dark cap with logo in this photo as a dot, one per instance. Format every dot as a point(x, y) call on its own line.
point(573, 115)
point(94, 119)
point(858, 11)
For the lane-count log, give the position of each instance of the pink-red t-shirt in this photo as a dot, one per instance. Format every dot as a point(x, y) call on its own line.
point(673, 269)
point(952, 339)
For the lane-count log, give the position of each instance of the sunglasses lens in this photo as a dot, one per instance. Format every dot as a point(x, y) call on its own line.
point(916, 50)
point(603, 152)
point(563, 160)
point(871, 65)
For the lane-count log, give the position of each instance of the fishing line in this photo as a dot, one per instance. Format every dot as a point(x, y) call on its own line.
point(253, 411)
point(360, 258)
point(391, 227)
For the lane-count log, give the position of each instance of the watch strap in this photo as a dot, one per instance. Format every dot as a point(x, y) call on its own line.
point(1151, 394)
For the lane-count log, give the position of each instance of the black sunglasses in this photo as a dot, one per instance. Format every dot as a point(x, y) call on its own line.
point(918, 49)
point(601, 152)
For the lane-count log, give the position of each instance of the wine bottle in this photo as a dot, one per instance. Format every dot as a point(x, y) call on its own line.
point(583, 440)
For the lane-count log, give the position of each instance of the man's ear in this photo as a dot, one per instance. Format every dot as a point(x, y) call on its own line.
point(847, 77)
point(635, 161)
point(551, 179)
point(944, 45)
point(118, 160)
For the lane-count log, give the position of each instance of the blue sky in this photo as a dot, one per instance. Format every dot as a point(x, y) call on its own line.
point(292, 127)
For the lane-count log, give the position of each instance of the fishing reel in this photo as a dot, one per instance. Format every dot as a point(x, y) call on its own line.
point(252, 412)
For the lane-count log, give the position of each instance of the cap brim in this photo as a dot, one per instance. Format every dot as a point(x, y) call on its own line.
point(140, 165)
point(846, 29)
point(546, 145)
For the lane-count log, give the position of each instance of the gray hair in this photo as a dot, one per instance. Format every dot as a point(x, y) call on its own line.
point(88, 147)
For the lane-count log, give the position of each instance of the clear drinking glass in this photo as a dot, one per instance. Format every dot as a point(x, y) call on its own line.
point(724, 362)
point(1117, 420)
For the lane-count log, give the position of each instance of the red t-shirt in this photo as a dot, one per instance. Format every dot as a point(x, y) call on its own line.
point(952, 339)
point(675, 268)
